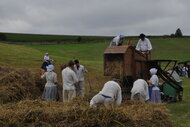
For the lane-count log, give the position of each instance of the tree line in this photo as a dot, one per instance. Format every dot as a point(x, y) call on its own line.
point(178, 33)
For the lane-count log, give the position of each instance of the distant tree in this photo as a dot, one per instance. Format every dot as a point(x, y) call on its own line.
point(79, 39)
point(3, 37)
point(178, 33)
point(172, 35)
point(166, 36)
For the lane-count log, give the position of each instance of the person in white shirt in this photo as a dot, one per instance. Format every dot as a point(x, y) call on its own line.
point(109, 95)
point(69, 79)
point(140, 90)
point(185, 71)
point(79, 70)
point(154, 82)
point(117, 41)
point(144, 45)
point(46, 62)
point(46, 57)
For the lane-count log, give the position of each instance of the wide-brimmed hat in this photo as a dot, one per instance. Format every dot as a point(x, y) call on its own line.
point(50, 68)
point(142, 35)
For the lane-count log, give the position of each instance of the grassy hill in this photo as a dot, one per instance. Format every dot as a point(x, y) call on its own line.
point(91, 55)
point(57, 39)
point(45, 38)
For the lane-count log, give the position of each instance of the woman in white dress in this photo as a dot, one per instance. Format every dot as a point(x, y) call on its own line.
point(50, 91)
point(154, 82)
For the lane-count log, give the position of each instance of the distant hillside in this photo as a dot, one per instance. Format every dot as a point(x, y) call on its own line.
point(57, 39)
point(44, 38)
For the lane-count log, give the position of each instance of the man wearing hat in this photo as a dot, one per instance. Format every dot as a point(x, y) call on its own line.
point(45, 63)
point(144, 45)
point(46, 57)
point(110, 94)
point(118, 40)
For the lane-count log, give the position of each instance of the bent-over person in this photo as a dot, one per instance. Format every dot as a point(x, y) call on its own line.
point(117, 41)
point(140, 90)
point(109, 95)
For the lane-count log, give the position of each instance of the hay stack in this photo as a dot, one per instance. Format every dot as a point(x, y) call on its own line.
point(78, 114)
point(16, 84)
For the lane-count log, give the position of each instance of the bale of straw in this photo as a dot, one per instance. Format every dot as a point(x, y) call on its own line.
point(4, 70)
point(39, 83)
point(17, 84)
point(78, 114)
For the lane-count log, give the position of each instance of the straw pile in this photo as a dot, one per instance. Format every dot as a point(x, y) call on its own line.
point(16, 84)
point(114, 68)
point(39, 113)
point(19, 87)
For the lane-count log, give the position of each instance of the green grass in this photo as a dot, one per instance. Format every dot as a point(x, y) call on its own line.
point(180, 110)
point(175, 48)
point(19, 56)
point(91, 55)
point(85, 51)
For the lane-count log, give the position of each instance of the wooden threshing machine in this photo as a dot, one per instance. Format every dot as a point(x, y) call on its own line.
point(124, 62)
point(128, 64)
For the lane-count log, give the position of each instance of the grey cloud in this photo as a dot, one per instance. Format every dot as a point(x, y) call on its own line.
point(94, 17)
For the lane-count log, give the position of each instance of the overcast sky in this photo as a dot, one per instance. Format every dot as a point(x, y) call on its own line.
point(95, 17)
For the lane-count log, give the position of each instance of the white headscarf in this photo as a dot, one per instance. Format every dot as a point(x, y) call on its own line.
point(121, 36)
point(153, 71)
point(50, 68)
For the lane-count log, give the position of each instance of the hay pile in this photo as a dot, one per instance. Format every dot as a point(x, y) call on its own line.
point(17, 84)
point(35, 113)
point(20, 86)
point(114, 68)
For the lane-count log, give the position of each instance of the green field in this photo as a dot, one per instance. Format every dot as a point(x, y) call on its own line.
point(91, 55)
